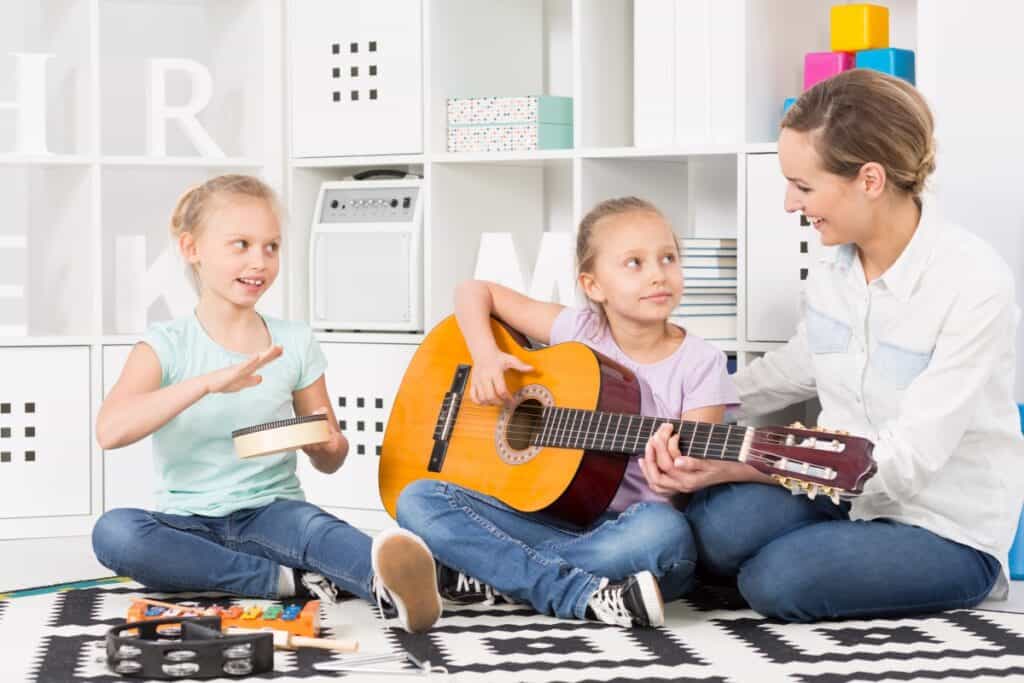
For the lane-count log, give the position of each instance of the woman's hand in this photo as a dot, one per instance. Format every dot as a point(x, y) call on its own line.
point(332, 451)
point(487, 382)
point(668, 471)
point(237, 377)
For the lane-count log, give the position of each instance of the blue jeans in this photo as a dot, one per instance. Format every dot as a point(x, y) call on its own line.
point(533, 560)
point(240, 553)
point(801, 560)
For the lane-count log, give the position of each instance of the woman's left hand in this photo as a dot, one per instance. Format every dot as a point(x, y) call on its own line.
point(668, 471)
point(334, 449)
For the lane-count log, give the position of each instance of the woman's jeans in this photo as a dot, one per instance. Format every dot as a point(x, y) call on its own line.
point(802, 560)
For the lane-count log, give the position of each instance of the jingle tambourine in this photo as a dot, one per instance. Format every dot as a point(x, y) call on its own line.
point(281, 435)
point(186, 647)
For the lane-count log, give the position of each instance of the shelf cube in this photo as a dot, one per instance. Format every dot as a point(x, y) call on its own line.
point(859, 27)
point(819, 66)
point(891, 60)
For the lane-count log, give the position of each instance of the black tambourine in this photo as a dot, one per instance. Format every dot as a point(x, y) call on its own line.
point(281, 435)
point(199, 651)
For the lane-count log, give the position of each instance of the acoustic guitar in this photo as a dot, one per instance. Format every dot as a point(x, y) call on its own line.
point(561, 445)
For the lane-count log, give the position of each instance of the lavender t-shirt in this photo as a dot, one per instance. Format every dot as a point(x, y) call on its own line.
point(694, 376)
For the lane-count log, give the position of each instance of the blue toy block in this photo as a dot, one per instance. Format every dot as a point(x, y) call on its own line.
point(1016, 560)
point(890, 60)
point(787, 104)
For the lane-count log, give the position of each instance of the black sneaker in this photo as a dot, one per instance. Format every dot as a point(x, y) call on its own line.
point(404, 580)
point(634, 601)
point(458, 587)
point(313, 586)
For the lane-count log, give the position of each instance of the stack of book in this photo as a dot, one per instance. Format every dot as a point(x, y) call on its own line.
point(708, 306)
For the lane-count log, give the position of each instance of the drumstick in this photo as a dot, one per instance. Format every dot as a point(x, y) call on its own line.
point(285, 640)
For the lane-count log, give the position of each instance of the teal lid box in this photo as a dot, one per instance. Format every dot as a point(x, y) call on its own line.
point(522, 123)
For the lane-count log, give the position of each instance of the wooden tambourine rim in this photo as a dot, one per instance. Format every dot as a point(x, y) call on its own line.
point(280, 435)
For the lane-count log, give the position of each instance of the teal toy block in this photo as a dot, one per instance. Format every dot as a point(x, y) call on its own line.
point(890, 60)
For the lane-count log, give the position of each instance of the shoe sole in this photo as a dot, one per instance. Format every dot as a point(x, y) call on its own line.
point(405, 566)
point(651, 594)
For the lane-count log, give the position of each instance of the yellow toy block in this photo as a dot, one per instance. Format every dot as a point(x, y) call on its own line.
point(859, 27)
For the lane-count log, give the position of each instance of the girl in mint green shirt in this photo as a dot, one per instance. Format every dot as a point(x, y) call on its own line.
point(223, 523)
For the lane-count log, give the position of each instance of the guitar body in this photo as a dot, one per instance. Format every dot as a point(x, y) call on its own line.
point(484, 450)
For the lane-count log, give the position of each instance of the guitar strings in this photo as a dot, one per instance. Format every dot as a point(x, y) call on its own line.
point(493, 411)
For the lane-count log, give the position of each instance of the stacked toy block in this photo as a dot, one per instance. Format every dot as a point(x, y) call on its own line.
point(859, 36)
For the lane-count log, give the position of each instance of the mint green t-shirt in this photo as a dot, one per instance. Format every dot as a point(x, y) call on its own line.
point(197, 469)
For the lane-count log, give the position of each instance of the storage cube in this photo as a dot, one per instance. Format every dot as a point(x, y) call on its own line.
point(892, 61)
point(509, 124)
point(859, 27)
point(819, 66)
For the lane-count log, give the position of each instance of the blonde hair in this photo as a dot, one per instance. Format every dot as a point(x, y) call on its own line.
point(586, 252)
point(862, 115)
point(196, 204)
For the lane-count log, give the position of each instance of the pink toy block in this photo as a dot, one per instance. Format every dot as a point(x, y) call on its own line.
point(819, 66)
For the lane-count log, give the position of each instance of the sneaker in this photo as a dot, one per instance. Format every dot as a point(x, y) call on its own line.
point(404, 580)
point(634, 601)
point(458, 587)
point(316, 586)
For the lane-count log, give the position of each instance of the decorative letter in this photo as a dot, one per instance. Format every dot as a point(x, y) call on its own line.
point(160, 112)
point(498, 260)
point(31, 103)
point(137, 288)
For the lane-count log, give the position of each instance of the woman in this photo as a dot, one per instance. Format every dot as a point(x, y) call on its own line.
point(907, 338)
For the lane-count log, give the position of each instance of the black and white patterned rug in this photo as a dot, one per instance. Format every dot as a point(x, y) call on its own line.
point(710, 636)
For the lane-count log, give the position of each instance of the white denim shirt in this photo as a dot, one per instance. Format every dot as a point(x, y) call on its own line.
point(921, 361)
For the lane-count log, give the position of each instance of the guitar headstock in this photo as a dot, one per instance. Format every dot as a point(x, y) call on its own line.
point(813, 461)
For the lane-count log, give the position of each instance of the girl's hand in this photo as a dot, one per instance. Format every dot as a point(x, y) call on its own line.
point(336, 446)
point(668, 471)
point(488, 378)
point(237, 377)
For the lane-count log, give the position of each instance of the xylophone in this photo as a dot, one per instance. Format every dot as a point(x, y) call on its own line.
point(293, 618)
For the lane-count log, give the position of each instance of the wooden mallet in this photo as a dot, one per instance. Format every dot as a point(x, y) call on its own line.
point(285, 640)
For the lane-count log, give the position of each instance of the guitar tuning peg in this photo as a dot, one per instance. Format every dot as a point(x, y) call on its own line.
point(797, 425)
point(812, 491)
point(834, 495)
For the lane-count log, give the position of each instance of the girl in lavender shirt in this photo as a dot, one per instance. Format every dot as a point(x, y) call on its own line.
point(619, 570)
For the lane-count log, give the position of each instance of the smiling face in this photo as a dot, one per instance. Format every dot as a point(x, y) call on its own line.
point(635, 274)
point(236, 253)
point(841, 209)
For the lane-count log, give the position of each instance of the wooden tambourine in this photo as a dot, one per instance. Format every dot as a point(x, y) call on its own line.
point(281, 435)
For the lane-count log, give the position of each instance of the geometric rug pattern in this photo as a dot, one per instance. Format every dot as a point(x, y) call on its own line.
point(710, 636)
point(713, 636)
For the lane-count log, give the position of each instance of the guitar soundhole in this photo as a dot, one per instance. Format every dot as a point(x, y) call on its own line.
point(526, 421)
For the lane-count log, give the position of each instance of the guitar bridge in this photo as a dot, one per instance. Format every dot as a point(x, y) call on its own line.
point(446, 417)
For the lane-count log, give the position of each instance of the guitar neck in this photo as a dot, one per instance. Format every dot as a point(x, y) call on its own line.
point(627, 435)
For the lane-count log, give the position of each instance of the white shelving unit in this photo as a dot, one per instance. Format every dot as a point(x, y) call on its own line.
point(99, 184)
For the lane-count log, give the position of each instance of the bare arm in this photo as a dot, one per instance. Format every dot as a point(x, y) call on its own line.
point(137, 406)
point(329, 455)
point(475, 302)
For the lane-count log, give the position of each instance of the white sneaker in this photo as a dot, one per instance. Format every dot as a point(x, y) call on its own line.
point(404, 579)
point(320, 587)
point(634, 601)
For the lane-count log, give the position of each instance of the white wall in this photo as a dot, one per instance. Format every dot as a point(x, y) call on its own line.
point(969, 69)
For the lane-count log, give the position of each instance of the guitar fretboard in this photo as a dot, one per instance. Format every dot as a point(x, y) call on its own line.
point(628, 434)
